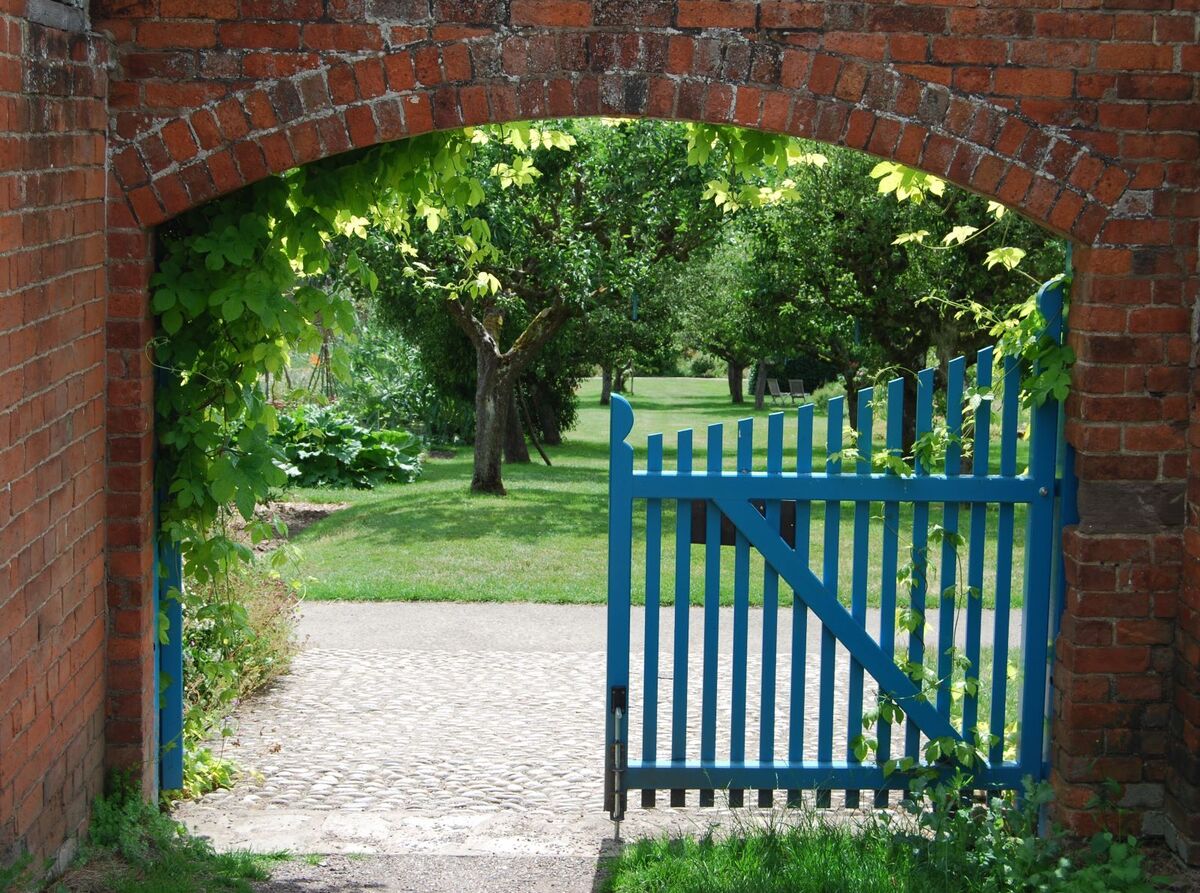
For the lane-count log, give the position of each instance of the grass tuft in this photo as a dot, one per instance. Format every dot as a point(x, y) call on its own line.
point(813, 856)
point(134, 848)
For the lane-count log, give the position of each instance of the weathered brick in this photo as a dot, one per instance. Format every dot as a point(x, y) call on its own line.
point(1082, 118)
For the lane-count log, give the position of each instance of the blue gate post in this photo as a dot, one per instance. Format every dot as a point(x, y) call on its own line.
point(1066, 514)
point(168, 577)
point(620, 555)
point(170, 669)
point(1039, 570)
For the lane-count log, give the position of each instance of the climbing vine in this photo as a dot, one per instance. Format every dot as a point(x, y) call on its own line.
point(240, 287)
point(757, 175)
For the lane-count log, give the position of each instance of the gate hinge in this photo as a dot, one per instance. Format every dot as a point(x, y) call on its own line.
point(619, 698)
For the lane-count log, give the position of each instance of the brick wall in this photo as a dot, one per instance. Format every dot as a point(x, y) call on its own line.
point(53, 120)
point(1084, 118)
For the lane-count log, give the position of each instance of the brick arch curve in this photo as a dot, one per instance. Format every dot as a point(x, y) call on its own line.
point(268, 128)
point(1053, 112)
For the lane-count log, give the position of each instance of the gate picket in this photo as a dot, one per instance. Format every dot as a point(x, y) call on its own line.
point(654, 462)
point(891, 549)
point(753, 510)
point(741, 618)
point(920, 553)
point(833, 529)
point(858, 585)
point(683, 603)
point(770, 624)
point(979, 467)
point(804, 465)
point(947, 595)
point(712, 613)
point(1004, 550)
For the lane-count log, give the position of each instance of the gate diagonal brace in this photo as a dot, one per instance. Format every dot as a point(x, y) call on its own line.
point(836, 618)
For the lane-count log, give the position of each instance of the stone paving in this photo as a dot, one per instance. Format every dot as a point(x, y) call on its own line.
point(454, 730)
point(471, 737)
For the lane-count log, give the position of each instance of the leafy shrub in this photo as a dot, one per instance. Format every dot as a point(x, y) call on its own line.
point(822, 395)
point(814, 371)
point(20, 876)
point(997, 848)
point(237, 637)
point(134, 848)
point(704, 365)
point(384, 387)
point(326, 448)
point(389, 387)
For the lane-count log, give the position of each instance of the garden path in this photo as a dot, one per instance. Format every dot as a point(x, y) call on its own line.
point(462, 741)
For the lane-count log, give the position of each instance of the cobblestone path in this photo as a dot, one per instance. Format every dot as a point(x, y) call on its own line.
point(454, 730)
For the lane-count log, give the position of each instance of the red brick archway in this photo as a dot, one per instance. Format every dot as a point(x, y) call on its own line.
point(1082, 119)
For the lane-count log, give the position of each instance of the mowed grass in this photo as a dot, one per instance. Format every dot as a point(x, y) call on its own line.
point(816, 857)
point(546, 541)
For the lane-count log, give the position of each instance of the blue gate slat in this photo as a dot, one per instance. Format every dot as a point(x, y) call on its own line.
point(654, 462)
point(683, 596)
point(712, 612)
point(1009, 416)
point(620, 555)
point(824, 603)
point(817, 775)
point(1043, 451)
point(981, 462)
point(741, 616)
point(890, 559)
point(858, 579)
point(829, 573)
point(949, 568)
point(804, 460)
point(770, 614)
point(920, 552)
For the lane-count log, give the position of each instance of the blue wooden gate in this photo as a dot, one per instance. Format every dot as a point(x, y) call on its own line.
point(903, 531)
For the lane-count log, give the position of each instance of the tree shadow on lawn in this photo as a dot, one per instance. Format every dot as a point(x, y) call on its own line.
point(708, 408)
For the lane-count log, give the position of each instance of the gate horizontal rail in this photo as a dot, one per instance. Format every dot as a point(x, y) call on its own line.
point(811, 737)
point(821, 487)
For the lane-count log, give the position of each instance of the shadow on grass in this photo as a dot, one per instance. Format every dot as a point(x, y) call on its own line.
point(546, 513)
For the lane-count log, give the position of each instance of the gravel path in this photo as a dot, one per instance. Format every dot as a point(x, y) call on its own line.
point(459, 745)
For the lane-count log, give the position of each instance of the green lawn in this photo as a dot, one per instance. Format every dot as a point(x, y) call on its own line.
point(546, 541)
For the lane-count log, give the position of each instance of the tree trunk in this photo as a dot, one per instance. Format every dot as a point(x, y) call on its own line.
point(515, 448)
point(496, 376)
point(760, 386)
point(618, 384)
point(909, 432)
point(735, 373)
point(849, 377)
point(493, 395)
point(546, 419)
point(605, 385)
